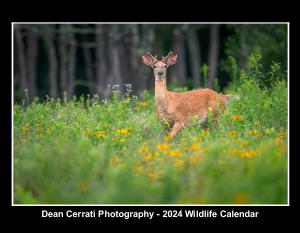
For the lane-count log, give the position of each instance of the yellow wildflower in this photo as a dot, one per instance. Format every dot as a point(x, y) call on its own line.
point(86, 132)
point(197, 139)
point(163, 146)
point(148, 157)
point(195, 118)
point(25, 128)
point(122, 140)
point(100, 134)
point(235, 152)
point(254, 132)
point(136, 108)
point(195, 147)
point(168, 138)
point(153, 154)
point(237, 139)
point(281, 134)
point(123, 131)
point(172, 152)
point(158, 158)
point(242, 144)
point(113, 139)
point(204, 132)
point(237, 118)
point(248, 154)
point(143, 149)
point(144, 103)
point(232, 132)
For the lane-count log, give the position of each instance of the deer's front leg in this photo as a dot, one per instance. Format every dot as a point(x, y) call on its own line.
point(176, 128)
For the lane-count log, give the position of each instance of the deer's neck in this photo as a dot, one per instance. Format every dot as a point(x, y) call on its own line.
point(160, 92)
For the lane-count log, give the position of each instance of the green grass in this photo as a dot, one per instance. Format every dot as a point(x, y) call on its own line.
point(115, 151)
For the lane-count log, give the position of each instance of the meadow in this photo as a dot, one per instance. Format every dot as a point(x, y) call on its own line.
point(114, 151)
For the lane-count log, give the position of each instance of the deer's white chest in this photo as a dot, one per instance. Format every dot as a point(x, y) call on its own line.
point(163, 112)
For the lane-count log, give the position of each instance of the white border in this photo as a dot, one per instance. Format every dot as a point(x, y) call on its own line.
point(12, 115)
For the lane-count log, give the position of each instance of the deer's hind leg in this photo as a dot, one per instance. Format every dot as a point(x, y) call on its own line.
point(203, 122)
point(176, 128)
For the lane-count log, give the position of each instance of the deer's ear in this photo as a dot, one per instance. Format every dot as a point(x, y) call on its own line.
point(171, 59)
point(148, 60)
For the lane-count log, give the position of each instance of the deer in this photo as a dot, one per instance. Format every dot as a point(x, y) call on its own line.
point(177, 110)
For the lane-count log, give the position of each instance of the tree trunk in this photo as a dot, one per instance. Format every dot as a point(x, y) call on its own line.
point(88, 65)
point(195, 56)
point(213, 54)
point(63, 59)
point(67, 53)
point(101, 58)
point(51, 53)
point(72, 67)
point(149, 39)
point(179, 70)
point(16, 64)
point(136, 78)
point(24, 84)
point(125, 52)
point(143, 40)
point(115, 76)
point(32, 46)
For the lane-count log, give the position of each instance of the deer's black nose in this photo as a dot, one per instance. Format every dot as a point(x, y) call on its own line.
point(160, 72)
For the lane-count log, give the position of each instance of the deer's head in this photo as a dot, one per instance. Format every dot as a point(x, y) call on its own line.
point(160, 67)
